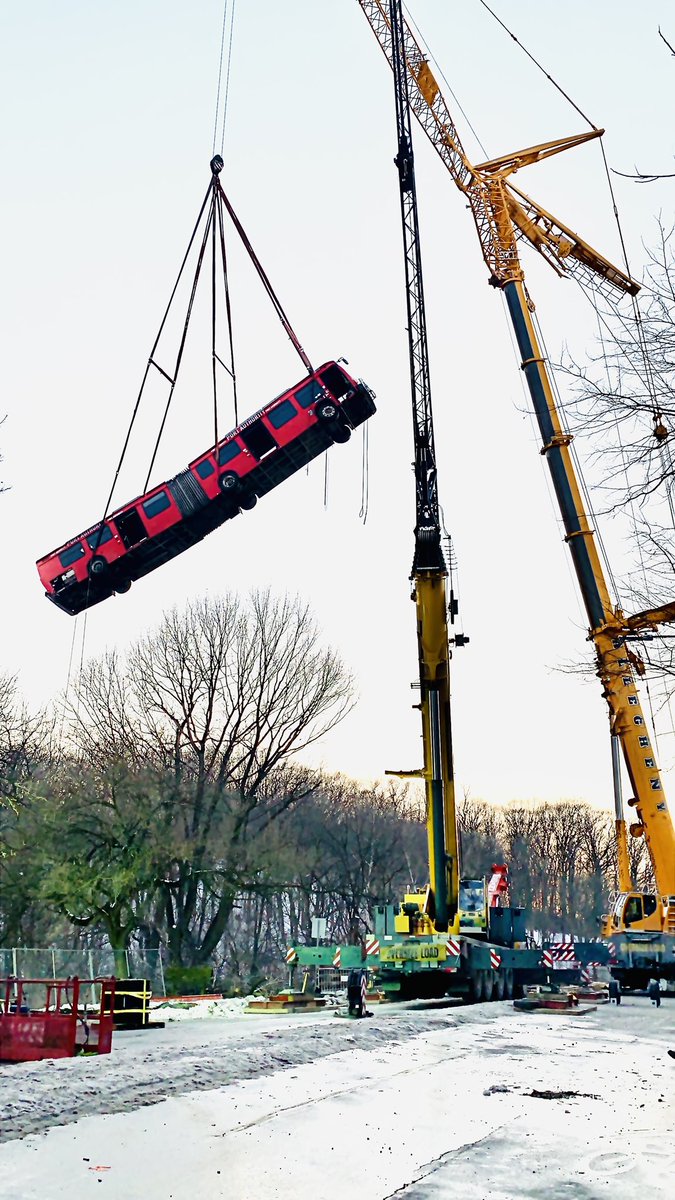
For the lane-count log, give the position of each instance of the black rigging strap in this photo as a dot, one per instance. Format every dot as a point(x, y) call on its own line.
point(276, 304)
point(213, 228)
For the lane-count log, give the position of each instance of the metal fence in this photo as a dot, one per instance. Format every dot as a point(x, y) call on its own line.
point(57, 963)
point(331, 979)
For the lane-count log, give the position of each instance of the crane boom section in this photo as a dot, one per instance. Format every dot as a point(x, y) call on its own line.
point(615, 663)
point(504, 215)
point(429, 571)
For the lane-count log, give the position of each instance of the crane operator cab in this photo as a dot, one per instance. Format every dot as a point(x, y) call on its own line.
point(473, 915)
point(636, 911)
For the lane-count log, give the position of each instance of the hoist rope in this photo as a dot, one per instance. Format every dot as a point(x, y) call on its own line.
point(151, 360)
point(228, 310)
point(649, 379)
point(420, 37)
point(218, 117)
point(67, 689)
point(622, 449)
point(537, 64)
point(647, 382)
point(214, 377)
point(365, 470)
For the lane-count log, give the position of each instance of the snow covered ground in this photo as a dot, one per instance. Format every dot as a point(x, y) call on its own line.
point(417, 1103)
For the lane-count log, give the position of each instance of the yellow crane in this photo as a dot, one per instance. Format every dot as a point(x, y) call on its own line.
point(505, 216)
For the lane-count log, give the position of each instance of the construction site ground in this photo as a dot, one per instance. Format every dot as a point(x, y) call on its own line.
point(423, 1103)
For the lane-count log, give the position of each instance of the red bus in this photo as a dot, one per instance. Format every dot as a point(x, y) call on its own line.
point(273, 444)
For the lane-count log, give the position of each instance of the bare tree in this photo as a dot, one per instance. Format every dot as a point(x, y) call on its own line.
point(26, 740)
point(221, 698)
point(101, 840)
point(624, 403)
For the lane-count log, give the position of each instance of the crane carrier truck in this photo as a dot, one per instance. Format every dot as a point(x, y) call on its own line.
point(640, 926)
point(456, 936)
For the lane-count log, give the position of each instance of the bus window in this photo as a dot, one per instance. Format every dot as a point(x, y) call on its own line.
point(131, 528)
point(156, 504)
point(258, 439)
point(205, 468)
point(309, 394)
point(336, 381)
point(282, 414)
point(99, 537)
point(71, 555)
point(227, 452)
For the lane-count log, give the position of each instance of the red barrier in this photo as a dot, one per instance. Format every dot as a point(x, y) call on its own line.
point(58, 1028)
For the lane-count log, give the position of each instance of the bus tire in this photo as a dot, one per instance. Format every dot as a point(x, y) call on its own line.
point(248, 500)
point(98, 567)
point(327, 410)
point(122, 586)
point(341, 433)
point(228, 482)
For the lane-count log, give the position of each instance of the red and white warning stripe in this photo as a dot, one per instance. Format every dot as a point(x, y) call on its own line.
point(291, 955)
point(372, 946)
point(337, 958)
point(546, 959)
point(452, 946)
point(495, 960)
point(563, 953)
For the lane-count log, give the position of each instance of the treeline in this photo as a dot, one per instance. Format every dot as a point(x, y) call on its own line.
point(165, 805)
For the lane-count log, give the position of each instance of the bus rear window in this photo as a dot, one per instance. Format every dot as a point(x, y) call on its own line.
point(309, 394)
point(71, 555)
point(282, 414)
point(99, 537)
point(227, 452)
point(156, 504)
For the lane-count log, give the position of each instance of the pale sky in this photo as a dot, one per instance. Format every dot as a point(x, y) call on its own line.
point(108, 136)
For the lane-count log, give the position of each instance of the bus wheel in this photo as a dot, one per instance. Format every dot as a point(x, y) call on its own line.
point(228, 482)
point(248, 500)
point(327, 411)
point(342, 433)
point(122, 586)
point(98, 567)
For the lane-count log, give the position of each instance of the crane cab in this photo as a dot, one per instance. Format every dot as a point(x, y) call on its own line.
point(473, 907)
point(636, 911)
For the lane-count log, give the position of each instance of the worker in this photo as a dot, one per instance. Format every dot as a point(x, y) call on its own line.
point(615, 991)
point(654, 992)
